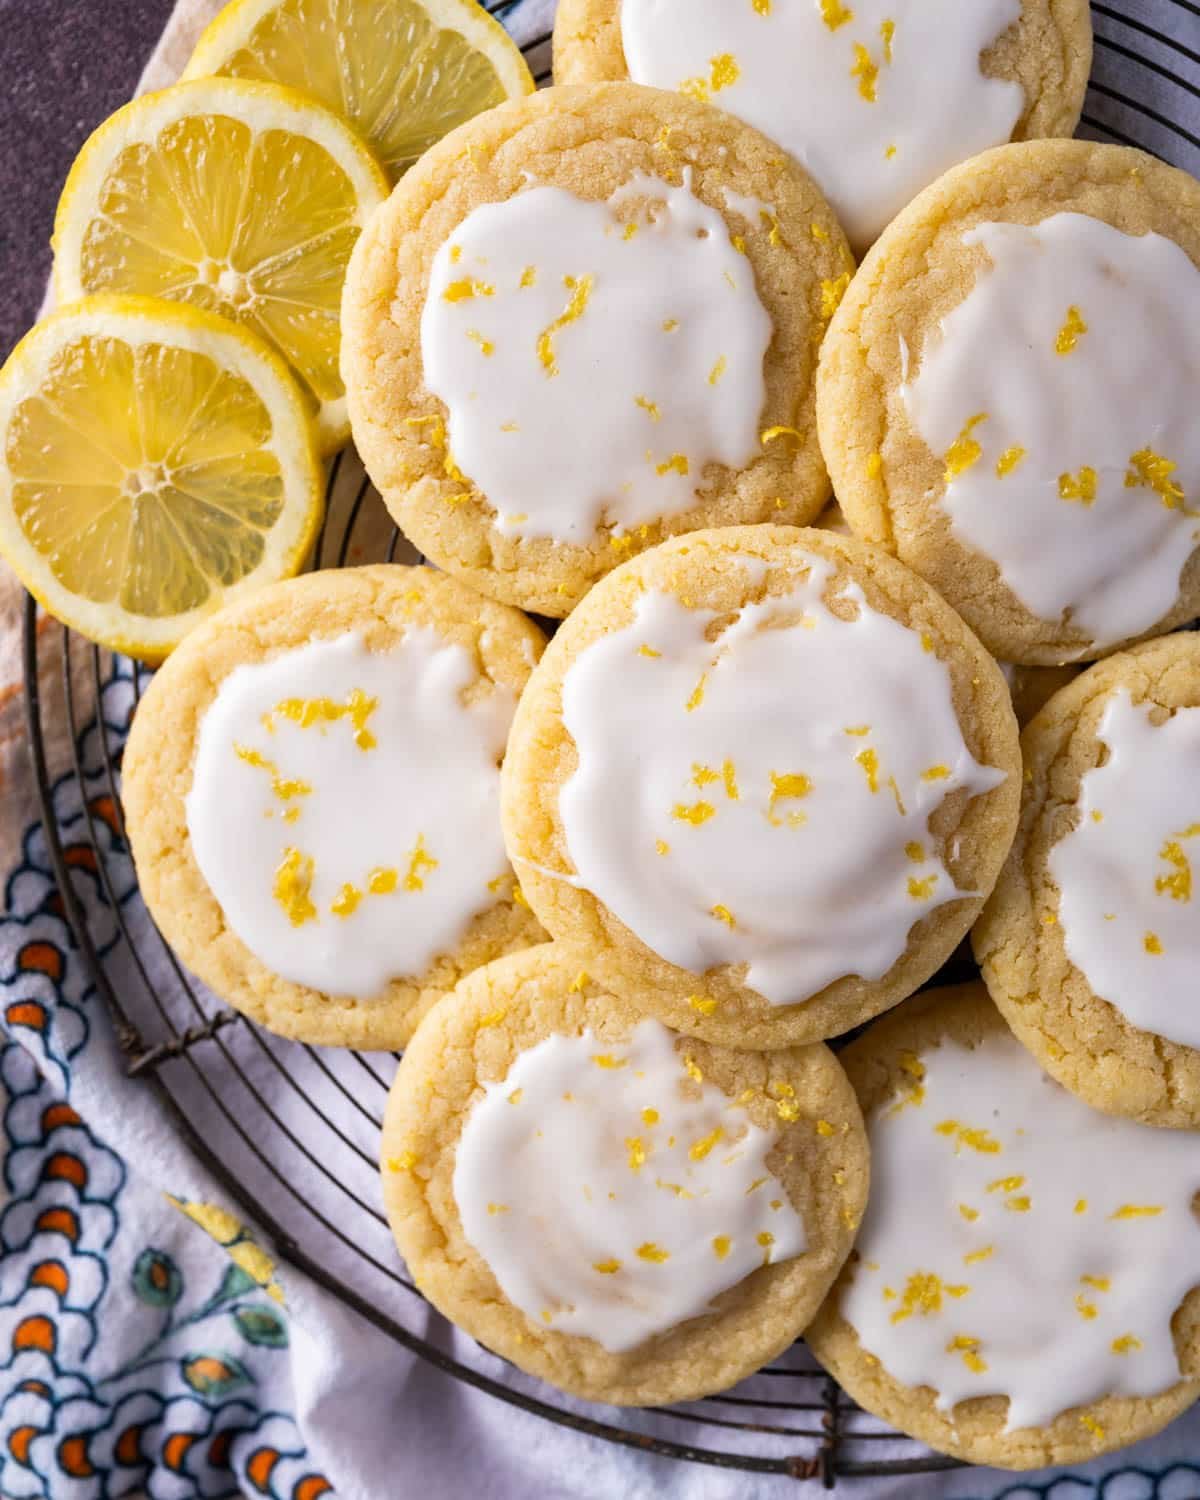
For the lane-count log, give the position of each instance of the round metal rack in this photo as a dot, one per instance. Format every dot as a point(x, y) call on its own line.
point(290, 1132)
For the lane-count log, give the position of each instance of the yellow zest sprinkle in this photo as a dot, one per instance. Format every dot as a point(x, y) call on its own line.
point(1137, 1211)
point(729, 780)
point(346, 902)
point(630, 230)
point(493, 1018)
point(578, 984)
point(529, 276)
point(725, 72)
point(649, 407)
point(964, 450)
point(1101, 1283)
point(723, 914)
point(1097, 815)
point(497, 1208)
point(915, 852)
point(832, 291)
point(547, 1315)
point(866, 71)
point(649, 651)
point(1152, 943)
point(1177, 885)
point(284, 787)
point(887, 31)
point(580, 288)
point(757, 1183)
point(717, 370)
point(455, 254)
point(637, 1152)
point(1069, 333)
point(405, 1162)
point(761, 7)
point(692, 1071)
point(835, 14)
point(825, 1128)
point(911, 1063)
point(1008, 461)
point(1019, 1205)
point(1092, 1426)
point(697, 695)
point(697, 813)
point(790, 785)
point(520, 897)
point(419, 861)
point(969, 1349)
point(606, 1267)
point(677, 462)
point(977, 1255)
point(650, 1116)
point(722, 1245)
point(766, 1239)
point(1006, 1185)
point(291, 816)
point(698, 1150)
point(935, 773)
point(1081, 1205)
point(622, 543)
point(874, 465)
point(673, 1187)
point(968, 1213)
point(703, 775)
point(383, 882)
point(771, 433)
point(869, 760)
point(701, 1005)
point(515, 1096)
point(670, 325)
point(652, 1252)
point(976, 1140)
point(921, 890)
point(923, 1295)
point(1081, 486)
point(788, 1111)
point(1086, 1310)
point(738, 241)
point(607, 1060)
point(662, 847)
point(463, 291)
point(486, 347)
point(1152, 471)
point(293, 887)
point(1125, 1343)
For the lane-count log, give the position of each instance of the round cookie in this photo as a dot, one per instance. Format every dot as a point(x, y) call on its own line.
point(585, 321)
point(1088, 943)
point(311, 788)
point(1043, 490)
point(766, 777)
point(667, 1286)
point(846, 89)
point(1017, 1245)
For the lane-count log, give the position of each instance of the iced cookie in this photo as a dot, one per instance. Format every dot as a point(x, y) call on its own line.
point(1006, 397)
point(631, 1215)
point(1021, 1291)
point(846, 89)
point(767, 776)
point(585, 321)
point(1090, 944)
point(312, 791)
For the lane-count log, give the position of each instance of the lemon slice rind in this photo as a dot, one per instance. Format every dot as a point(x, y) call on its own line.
point(139, 321)
point(260, 107)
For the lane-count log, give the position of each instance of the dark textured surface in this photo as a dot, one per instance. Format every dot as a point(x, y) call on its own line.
point(66, 65)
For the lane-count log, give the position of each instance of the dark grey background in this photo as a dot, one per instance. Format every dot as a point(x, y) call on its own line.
point(66, 65)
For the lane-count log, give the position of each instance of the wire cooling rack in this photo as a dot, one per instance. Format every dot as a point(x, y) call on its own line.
point(291, 1132)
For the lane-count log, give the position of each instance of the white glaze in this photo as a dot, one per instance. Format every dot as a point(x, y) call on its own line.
point(1110, 566)
point(795, 64)
point(817, 881)
point(1044, 1333)
point(1126, 902)
point(426, 789)
point(609, 418)
point(570, 1175)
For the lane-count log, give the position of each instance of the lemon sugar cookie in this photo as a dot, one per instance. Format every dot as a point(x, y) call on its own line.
point(766, 776)
point(312, 791)
point(1090, 944)
point(1048, 488)
point(635, 1217)
point(846, 89)
point(584, 321)
point(1022, 1290)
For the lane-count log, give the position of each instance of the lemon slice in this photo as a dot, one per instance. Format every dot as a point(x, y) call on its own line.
point(403, 72)
point(241, 198)
point(156, 462)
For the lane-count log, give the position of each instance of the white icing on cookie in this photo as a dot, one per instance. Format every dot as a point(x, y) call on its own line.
point(638, 312)
point(614, 1195)
point(763, 798)
point(1072, 452)
point(1017, 1242)
point(1127, 902)
point(844, 87)
point(344, 808)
